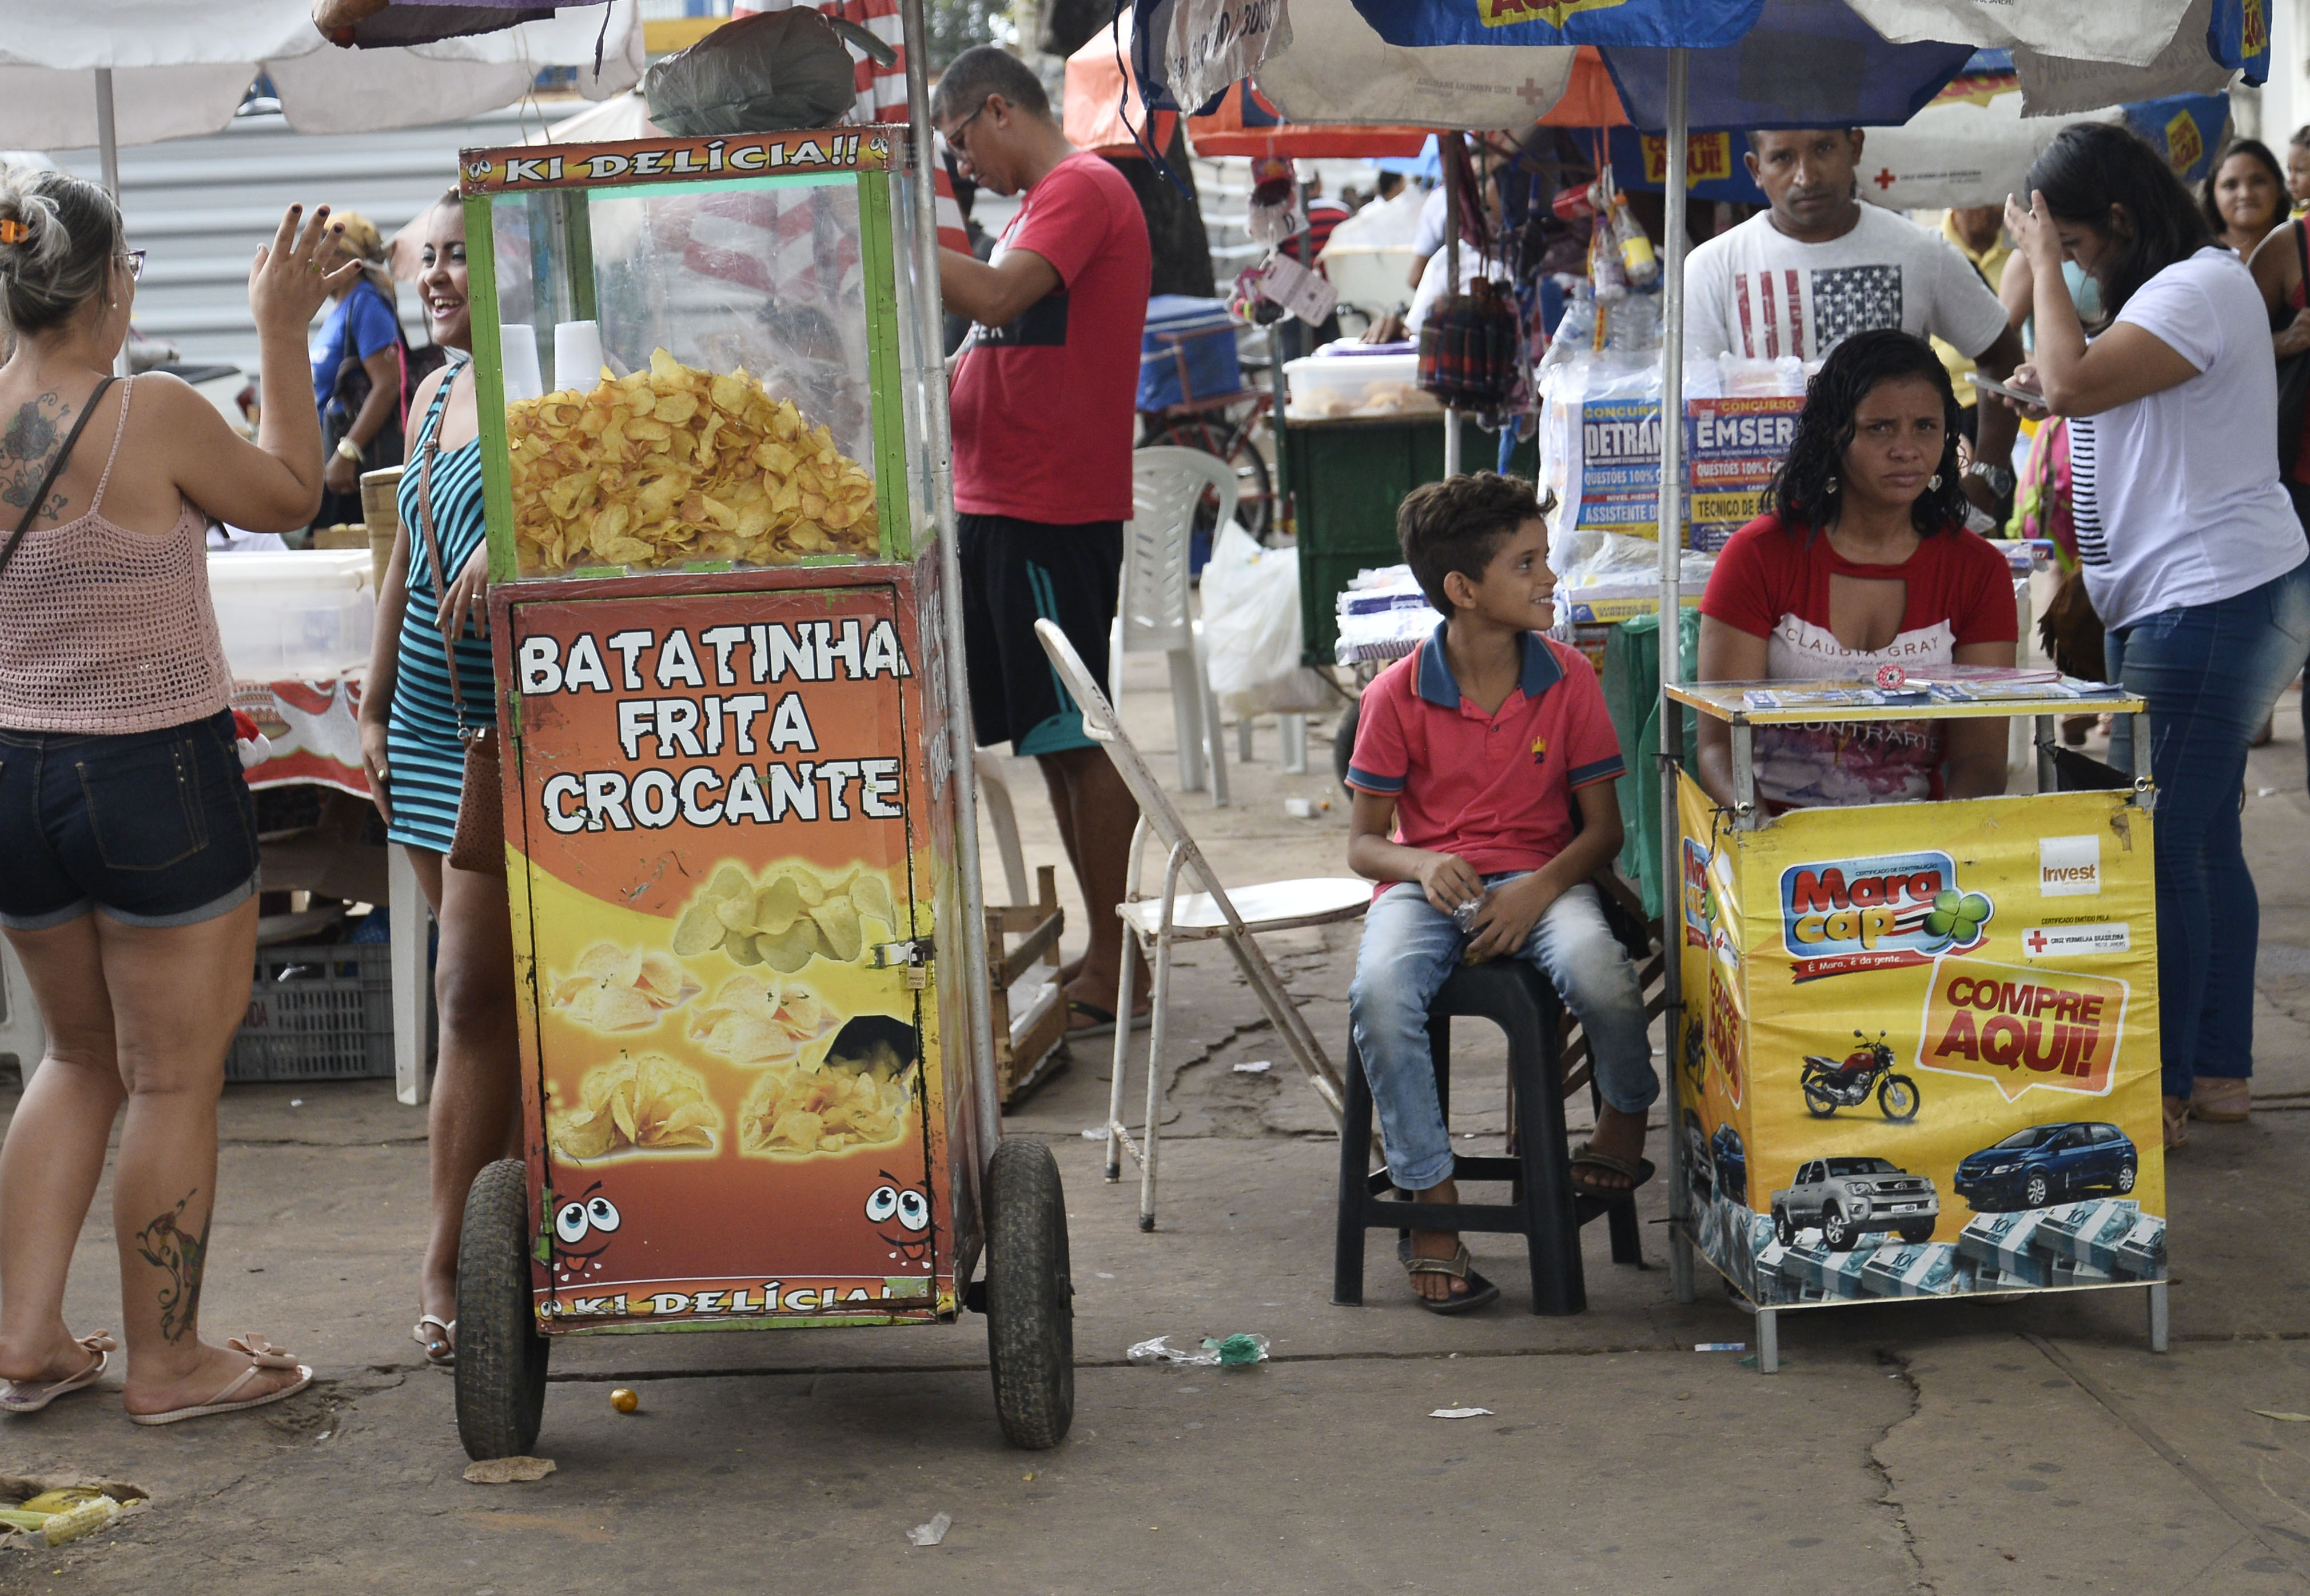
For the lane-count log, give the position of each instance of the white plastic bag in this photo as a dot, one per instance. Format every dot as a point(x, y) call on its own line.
point(1251, 628)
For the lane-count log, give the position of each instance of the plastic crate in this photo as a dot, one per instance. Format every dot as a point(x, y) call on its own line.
point(317, 1012)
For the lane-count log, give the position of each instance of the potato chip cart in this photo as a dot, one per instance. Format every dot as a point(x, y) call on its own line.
point(757, 1087)
point(1917, 1055)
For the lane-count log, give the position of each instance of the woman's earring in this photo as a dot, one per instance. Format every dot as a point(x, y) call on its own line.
point(1832, 485)
point(1935, 482)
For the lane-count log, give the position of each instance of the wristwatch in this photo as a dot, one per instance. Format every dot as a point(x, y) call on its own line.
point(353, 452)
point(2000, 479)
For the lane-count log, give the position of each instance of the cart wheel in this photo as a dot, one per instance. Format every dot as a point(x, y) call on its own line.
point(500, 1356)
point(1030, 1315)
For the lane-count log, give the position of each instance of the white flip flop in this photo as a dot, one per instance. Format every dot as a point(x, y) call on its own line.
point(19, 1398)
point(448, 1328)
point(261, 1355)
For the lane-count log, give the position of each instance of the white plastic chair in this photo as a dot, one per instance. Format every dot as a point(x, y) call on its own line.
point(21, 1030)
point(1174, 916)
point(1154, 613)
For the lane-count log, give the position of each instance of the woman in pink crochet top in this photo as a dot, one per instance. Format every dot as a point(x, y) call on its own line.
point(127, 839)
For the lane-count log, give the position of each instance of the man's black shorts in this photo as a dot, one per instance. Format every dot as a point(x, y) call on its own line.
point(1015, 573)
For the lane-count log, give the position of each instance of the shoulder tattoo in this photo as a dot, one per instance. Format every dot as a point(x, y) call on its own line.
point(29, 440)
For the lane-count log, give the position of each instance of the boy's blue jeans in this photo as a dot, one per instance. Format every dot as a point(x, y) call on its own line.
point(2211, 672)
point(1410, 947)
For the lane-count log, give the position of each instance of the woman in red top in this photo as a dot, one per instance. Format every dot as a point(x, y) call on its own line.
point(1862, 559)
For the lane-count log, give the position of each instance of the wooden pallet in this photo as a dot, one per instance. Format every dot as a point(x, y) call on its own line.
point(1023, 962)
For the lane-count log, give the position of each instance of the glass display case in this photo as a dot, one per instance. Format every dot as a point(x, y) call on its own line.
point(699, 354)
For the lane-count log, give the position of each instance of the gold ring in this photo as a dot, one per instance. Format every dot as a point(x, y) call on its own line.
point(312, 265)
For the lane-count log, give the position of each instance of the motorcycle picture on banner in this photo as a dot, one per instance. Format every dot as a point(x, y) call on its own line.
point(1829, 1084)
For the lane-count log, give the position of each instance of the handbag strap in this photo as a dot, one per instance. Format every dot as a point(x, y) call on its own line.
point(55, 469)
point(433, 550)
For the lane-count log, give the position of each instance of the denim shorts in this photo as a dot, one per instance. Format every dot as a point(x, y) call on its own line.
point(155, 829)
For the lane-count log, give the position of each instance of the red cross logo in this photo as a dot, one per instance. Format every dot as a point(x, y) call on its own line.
point(1531, 92)
point(2036, 940)
point(1885, 179)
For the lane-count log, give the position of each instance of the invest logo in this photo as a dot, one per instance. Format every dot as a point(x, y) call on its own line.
point(1876, 913)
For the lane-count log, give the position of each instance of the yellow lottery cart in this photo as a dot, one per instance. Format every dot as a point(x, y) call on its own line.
point(1917, 1052)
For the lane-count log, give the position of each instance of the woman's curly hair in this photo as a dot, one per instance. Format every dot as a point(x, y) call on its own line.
point(1804, 490)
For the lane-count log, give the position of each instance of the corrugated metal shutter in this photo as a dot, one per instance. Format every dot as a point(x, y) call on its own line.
point(201, 207)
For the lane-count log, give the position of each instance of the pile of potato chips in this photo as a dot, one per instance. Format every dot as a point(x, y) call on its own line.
point(797, 1110)
point(622, 989)
point(674, 464)
point(649, 1104)
point(754, 1020)
point(790, 917)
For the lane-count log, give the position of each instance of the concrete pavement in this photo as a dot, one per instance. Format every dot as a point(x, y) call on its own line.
point(1948, 1447)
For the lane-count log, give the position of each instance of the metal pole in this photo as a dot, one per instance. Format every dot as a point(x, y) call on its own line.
point(966, 933)
point(1452, 200)
point(108, 148)
point(108, 136)
point(1671, 634)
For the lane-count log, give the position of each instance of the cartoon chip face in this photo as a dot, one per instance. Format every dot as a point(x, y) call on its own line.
point(910, 1209)
point(590, 1216)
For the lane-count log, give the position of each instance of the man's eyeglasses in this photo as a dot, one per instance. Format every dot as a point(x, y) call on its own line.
point(135, 258)
point(951, 142)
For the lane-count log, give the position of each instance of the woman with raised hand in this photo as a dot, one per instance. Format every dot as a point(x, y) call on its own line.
point(129, 891)
point(2191, 551)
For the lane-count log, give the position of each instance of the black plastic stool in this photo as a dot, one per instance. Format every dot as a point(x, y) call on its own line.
point(1543, 1205)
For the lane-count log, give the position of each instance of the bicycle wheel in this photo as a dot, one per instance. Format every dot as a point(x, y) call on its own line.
point(1239, 446)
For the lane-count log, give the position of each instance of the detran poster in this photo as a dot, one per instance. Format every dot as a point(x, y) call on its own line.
point(1920, 1052)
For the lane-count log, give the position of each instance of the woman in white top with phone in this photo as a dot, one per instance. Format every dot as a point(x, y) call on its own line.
point(2191, 549)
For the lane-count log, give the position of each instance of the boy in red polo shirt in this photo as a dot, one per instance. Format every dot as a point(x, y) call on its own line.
point(1471, 759)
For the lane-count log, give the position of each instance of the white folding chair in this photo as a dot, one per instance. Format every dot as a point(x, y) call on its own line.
point(1159, 922)
point(1003, 820)
point(1154, 613)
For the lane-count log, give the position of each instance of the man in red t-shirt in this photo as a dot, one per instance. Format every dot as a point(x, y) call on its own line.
point(1043, 408)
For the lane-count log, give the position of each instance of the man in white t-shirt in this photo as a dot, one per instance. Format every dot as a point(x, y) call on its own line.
point(1820, 264)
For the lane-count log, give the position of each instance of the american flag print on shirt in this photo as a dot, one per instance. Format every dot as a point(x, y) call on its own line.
point(882, 91)
point(1775, 318)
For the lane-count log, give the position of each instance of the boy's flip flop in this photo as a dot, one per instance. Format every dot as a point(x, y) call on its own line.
point(1102, 1020)
point(21, 1397)
point(1460, 1266)
point(1586, 1156)
point(261, 1354)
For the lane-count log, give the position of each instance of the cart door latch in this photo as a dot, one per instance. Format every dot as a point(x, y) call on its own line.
point(913, 955)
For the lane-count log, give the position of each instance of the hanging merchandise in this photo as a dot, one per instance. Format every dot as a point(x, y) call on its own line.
point(1620, 237)
point(1469, 349)
point(1275, 213)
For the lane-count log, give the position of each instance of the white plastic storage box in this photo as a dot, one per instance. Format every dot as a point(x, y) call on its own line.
point(1326, 387)
point(286, 614)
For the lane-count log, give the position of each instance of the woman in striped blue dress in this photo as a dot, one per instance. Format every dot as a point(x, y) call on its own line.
point(409, 723)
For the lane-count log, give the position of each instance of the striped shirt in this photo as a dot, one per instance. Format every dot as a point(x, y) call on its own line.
point(422, 748)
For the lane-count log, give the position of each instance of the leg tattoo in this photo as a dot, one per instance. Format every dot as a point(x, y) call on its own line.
point(169, 1246)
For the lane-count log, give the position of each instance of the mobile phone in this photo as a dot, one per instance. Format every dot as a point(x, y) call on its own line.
point(2018, 395)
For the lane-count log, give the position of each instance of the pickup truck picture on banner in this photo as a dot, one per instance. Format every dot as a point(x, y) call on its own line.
point(1920, 1055)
